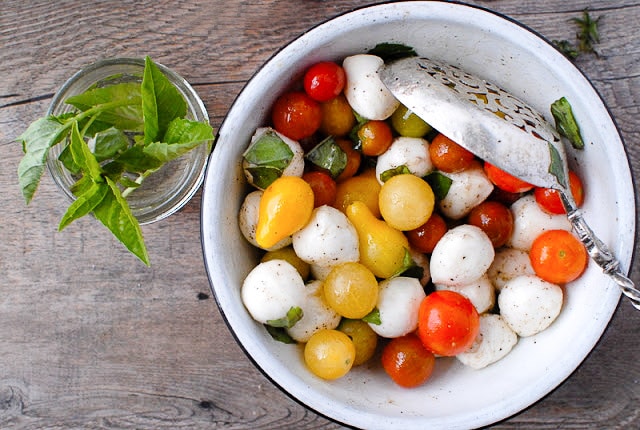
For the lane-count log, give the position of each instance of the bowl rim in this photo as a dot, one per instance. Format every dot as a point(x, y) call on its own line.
point(482, 9)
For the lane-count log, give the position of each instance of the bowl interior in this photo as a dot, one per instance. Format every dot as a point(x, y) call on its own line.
point(510, 56)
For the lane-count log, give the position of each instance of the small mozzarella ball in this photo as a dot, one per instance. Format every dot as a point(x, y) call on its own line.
point(364, 90)
point(271, 289)
point(508, 264)
point(248, 220)
point(529, 304)
point(320, 272)
point(461, 256)
point(316, 314)
point(398, 303)
point(412, 152)
point(481, 293)
point(295, 166)
point(494, 341)
point(529, 221)
point(328, 238)
point(469, 188)
point(422, 261)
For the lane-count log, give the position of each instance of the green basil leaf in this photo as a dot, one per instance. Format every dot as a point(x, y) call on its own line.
point(329, 156)
point(566, 123)
point(41, 135)
point(114, 212)
point(135, 159)
point(109, 142)
point(556, 168)
point(440, 184)
point(66, 159)
point(392, 51)
point(262, 177)
point(280, 334)
point(118, 105)
point(82, 155)
point(388, 174)
point(373, 317)
point(294, 314)
point(182, 136)
point(269, 150)
point(161, 102)
point(84, 203)
point(128, 183)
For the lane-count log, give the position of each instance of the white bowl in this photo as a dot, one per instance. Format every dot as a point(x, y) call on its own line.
point(511, 56)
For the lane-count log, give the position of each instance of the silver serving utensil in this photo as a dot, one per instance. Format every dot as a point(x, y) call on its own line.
point(501, 129)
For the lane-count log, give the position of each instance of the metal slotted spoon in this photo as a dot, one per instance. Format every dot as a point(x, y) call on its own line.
point(501, 129)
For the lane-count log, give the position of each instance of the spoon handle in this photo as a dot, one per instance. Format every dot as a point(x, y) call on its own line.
point(601, 254)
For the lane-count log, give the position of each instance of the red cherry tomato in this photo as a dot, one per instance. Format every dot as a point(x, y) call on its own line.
point(425, 237)
point(324, 81)
point(296, 115)
point(448, 323)
point(549, 199)
point(506, 181)
point(448, 156)
point(407, 361)
point(557, 256)
point(495, 219)
point(323, 186)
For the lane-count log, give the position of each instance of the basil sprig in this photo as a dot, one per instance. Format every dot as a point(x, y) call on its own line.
point(134, 129)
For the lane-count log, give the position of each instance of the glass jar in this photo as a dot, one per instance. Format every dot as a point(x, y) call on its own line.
point(165, 191)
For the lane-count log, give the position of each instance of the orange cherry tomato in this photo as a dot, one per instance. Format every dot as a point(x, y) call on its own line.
point(296, 115)
point(425, 237)
point(337, 117)
point(557, 256)
point(323, 186)
point(407, 361)
point(354, 159)
point(506, 181)
point(375, 137)
point(324, 81)
point(448, 323)
point(495, 219)
point(549, 199)
point(448, 156)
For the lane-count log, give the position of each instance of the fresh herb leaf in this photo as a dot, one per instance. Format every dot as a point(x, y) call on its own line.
point(440, 184)
point(83, 157)
point(109, 142)
point(293, 316)
point(373, 317)
point(329, 156)
point(262, 177)
point(588, 34)
point(556, 167)
point(566, 123)
point(392, 51)
point(161, 102)
point(84, 203)
point(36, 141)
point(114, 212)
point(266, 158)
point(567, 48)
point(279, 334)
point(390, 173)
point(181, 137)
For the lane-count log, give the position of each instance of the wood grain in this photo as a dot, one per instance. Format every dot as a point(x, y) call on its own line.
point(92, 339)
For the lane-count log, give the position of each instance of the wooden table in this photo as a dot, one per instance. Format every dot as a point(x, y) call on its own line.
point(91, 338)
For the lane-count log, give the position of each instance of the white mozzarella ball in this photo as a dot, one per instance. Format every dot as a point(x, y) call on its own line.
point(461, 256)
point(295, 166)
point(468, 189)
point(248, 221)
point(398, 303)
point(529, 221)
point(271, 289)
point(364, 90)
point(508, 264)
point(328, 238)
point(480, 292)
point(316, 314)
point(412, 152)
point(529, 304)
point(495, 340)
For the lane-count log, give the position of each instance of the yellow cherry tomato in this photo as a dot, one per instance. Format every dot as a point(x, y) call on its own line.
point(285, 207)
point(363, 337)
point(337, 117)
point(351, 289)
point(329, 354)
point(406, 201)
point(364, 187)
point(289, 255)
point(407, 123)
